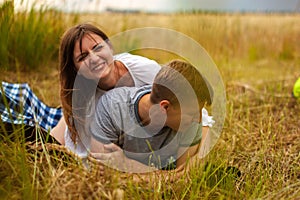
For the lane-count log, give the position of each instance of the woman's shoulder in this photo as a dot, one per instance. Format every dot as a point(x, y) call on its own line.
point(134, 60)
point(141, 69)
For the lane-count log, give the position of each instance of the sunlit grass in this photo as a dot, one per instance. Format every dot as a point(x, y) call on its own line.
point(258, 57)
point(261, 139)
point(30, 39)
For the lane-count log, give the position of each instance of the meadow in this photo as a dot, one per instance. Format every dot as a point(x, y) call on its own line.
point(258, 56)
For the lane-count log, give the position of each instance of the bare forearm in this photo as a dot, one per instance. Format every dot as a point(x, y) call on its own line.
point(59, 130)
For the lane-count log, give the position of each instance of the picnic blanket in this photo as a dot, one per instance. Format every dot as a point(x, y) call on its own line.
point(19, 105)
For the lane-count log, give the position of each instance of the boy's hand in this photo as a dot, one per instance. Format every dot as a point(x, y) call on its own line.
point(108, 148)
point(116, 160)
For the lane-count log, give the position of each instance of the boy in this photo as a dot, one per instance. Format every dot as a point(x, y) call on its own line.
point(158, 127)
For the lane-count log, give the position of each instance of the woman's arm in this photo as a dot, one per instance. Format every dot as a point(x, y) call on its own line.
point(58, 132)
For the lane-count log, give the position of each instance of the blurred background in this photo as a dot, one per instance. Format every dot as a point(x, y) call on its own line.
point(255, 45)
point(96, 6)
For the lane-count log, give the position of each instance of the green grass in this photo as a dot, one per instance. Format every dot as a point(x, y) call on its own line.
point(30, 39)
point(258, 58)
point(260, 137)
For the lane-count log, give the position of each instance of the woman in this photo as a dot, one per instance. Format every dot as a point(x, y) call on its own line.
point(87, 61)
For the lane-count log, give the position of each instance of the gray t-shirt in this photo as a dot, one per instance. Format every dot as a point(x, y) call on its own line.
point(116, 120)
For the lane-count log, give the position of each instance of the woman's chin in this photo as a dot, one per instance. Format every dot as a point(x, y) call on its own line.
point(101, 74)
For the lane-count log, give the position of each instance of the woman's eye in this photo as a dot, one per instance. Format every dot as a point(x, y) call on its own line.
point(98, 47)
point(82, 57)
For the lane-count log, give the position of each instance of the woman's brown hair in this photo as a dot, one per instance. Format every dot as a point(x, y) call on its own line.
point(68, 72)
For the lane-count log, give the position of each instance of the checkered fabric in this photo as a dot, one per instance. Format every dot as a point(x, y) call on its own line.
point(19, 105)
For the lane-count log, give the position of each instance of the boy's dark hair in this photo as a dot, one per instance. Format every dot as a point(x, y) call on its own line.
point(178, 80)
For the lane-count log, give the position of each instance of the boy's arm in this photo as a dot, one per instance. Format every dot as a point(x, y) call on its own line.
point(191, 156)
point(184, 154)
point(205, 143)
point(96, 146)
point(118, 160)
point(139, 172)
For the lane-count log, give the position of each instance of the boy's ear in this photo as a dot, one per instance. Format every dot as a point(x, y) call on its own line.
point(164, 105)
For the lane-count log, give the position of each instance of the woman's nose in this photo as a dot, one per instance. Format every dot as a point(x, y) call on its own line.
point(92, 57)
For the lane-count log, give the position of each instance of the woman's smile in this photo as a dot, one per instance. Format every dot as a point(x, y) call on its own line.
point(93, 59)
point(98, 67)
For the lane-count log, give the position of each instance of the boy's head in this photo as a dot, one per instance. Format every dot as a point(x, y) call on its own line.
point(181, 92)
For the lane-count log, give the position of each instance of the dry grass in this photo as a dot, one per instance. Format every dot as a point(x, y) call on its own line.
point(258, 57)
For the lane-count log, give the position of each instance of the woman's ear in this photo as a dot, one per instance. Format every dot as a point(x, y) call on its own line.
point(164, 105)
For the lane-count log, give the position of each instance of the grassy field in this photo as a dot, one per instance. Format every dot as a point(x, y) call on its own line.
point(259, 59)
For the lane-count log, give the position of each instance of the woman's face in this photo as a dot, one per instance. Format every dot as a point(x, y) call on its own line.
point(94, 59)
